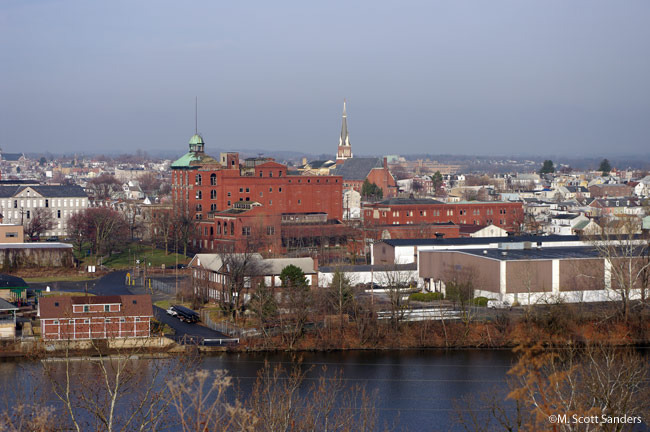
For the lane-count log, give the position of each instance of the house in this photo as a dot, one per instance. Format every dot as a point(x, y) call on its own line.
point(12, 288)
point(563, 224)
point(642, 189)
point(476, 231)
point(95, 317)
point(7, 320)
point(211, 273)
point(616, 206)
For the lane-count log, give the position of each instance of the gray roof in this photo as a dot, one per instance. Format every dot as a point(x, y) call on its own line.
point(534, 253)
point(48, 191)
point(6, 306)
point(358, 168)
point(46, 245)
point(409, 201)
point(12, 157)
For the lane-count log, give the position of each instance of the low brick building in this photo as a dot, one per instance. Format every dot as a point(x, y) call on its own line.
point(410, 211)
point(97, 317)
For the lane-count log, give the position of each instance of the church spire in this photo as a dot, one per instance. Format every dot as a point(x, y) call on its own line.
point(344, 150)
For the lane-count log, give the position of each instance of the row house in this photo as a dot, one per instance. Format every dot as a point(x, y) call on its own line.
point(616, 207)
point(18, 204)
point(95, 317)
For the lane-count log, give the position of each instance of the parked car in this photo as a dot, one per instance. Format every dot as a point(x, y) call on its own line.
point(498, 304)
point(171, 312)
point(186, 314)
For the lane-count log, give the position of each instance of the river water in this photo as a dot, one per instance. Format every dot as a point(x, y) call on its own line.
point(416, 390)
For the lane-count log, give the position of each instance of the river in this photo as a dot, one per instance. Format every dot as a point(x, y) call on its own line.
point(416, 390)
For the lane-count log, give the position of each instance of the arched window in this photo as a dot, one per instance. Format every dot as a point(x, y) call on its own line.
point(218, 228)
point(199, 194)
point(213, 194)
point(213, 207)
point(232, 228)
point(211, 231)
point(199, 207)
point(198, 179)
point(213, 179)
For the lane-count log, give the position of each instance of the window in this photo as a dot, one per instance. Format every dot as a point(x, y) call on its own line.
point(299, 202)
point(213, 207)
point(58, 214)
point(241, 190)
point(87, 321)
point(229, 194)
point(279, 189)
point(270, 189)
point(232, 228)
point(261, 194)
point(15, 203)
point(86, 308)
point(199, 207)
point(213, 179)
point(248, 190)
point(56, 304)
point(270, 202)
point(246, 231)
point(135, 302)
point(107, 320)
point(279, 173)
point(11, 234)
point(270, 230)
point(228, 203)
point(107, 308)
point(270, 173)
point(199, 194)
point(122, 319)
point(47, 203)
point(198, 179)
point(213, 194)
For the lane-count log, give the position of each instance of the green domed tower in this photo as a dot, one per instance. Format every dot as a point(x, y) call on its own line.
point(196, 144)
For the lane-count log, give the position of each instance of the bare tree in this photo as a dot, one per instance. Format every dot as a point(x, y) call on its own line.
point(396, 281)
point(102, 187)
point(624, 254)
point(120, 393)
point(39, 223)
point(460, 285)
point(201, 402)
point(282, 405)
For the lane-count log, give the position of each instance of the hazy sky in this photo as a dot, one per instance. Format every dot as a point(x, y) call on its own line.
point(456, 76)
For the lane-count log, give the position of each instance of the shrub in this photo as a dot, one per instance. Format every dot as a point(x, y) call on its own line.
point(480, 301)
point(426, 297)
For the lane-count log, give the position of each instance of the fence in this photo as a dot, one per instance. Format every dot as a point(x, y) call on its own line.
point(227, 328)
point(166, 287)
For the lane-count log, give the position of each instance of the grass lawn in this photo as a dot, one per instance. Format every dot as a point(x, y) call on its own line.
point(61, 278)
point(154, 258)
point(66, 293)
point(166, 304)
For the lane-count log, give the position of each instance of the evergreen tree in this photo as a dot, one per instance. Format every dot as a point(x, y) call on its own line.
point(547, 167)
point(371, 191)
point(605, 167)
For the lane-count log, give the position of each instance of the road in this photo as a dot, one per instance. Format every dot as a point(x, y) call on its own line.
point(113, 284)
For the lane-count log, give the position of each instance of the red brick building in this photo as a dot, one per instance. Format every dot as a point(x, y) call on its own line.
point(420, 212)
point(356, 170)
point(236, 205)
point(98, 317)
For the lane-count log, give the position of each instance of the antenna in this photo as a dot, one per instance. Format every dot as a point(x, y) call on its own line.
point(196, 115)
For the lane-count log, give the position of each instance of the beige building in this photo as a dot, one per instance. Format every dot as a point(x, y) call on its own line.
point(11, 233)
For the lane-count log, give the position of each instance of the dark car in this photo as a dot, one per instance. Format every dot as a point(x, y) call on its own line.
point(53, 239)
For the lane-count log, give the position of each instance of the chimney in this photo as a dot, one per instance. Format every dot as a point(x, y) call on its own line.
point(315, 264)
point(304, 161)
point(385, 163)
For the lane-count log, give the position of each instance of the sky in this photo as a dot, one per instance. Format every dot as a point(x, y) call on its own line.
point(440, 77)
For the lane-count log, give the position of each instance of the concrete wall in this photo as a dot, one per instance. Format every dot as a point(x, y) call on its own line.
point(11, 258)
